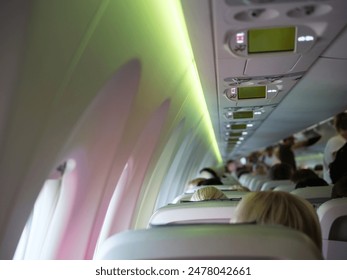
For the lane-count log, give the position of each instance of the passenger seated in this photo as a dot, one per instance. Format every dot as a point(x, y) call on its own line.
point(208, 173)
point(210, 182)
point(208, 193)
point(259, 169)
point(280, 171)
point(279, 208)
point(307, 178)
point(194, 183)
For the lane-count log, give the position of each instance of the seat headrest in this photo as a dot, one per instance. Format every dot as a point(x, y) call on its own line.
point(217, 211)
point(233, 241)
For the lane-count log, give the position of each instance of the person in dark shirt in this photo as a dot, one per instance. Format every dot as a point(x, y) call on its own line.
point(285, 150)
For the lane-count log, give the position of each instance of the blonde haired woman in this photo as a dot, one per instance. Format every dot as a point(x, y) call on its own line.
point(208, 193)
point(280, 208)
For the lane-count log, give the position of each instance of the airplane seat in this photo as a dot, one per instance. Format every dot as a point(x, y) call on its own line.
point(315, 195)
point(285, 188)
point(244, 178)
point(333, 220)
point(231, 194)
point(220, 187)
point(256, 183)
point(210, 241)
point(269, 185)
point(213, 211)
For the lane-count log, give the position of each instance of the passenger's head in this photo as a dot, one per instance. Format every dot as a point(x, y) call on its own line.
point(260, 169)
point(210, 182)
point(269, 151)
point(311, 182)
point(208, 193)
point(208, 173)
point(193, 183)
point(289, 140)
point(341, 124)
point(303, 174)
point(280, 171)
point(230, 166)
point(280, 208)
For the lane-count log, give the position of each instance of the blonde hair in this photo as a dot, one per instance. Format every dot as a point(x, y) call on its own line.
point(208, 193)
point(280, 208)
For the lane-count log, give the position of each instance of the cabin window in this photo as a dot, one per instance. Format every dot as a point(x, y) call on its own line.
point(34, 238)
point(106, 229)
point(35, 231)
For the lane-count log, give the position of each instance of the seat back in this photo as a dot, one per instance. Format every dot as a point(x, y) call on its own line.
point(230, 194)
point(269, 185)
point(333, 220)
point(285, 188)
point(220, 187)
point(315, 195)
point(238, 241)
point(214, 211)
point(256, 183)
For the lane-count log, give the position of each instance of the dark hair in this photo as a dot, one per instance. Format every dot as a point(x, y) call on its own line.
point(303, 174)
point(340, 188)
point(280, 171)
point(210, 182)
point(318, 167)
point(311, 182)
point(338, 168)
point(209, 170)
point(341, 121)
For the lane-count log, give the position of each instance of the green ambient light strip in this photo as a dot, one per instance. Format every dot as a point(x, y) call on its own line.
point(175, 8)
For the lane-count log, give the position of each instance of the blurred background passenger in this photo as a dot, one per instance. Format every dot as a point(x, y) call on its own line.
point(303, 174)
point(286, 149)
point(208, 193)
point(230, 176)
point(280, 171)
point(279, 208)
point(335, 143)
point(208, 173)
point(194, 183)
point(307, 178)
point(269, 158)
point(338, 173)
point(318, 169)
point(210, 182)
point(260, 169)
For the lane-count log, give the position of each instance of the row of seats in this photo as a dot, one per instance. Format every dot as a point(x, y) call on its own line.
point(202, 230)
point(210, 242)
